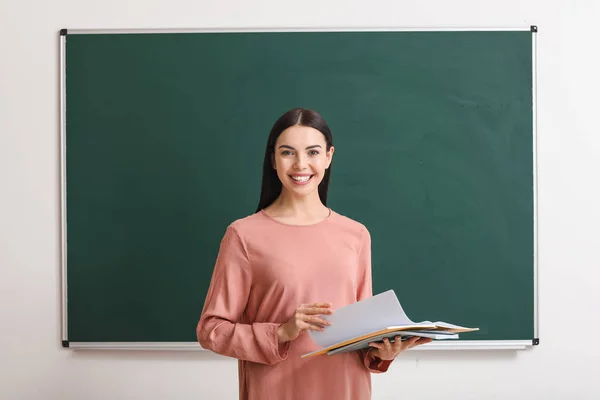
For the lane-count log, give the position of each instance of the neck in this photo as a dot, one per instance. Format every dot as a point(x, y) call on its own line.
point(290, 205)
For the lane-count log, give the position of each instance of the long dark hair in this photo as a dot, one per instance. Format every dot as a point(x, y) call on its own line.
point(271, 185)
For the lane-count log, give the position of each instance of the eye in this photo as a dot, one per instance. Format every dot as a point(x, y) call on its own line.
point(286, 153)
point(314, 152)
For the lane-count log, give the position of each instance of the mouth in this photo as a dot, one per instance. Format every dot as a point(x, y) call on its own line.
point(301, 179)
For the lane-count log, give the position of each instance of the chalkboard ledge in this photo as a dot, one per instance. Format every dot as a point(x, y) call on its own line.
point(194, 346)
point(478, 345)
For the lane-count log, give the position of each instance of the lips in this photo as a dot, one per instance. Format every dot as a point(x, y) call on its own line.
point(301, 179)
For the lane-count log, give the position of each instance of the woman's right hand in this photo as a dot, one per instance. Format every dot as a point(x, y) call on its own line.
point(305, 318)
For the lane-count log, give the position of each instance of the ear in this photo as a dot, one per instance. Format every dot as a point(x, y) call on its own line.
point(273, 161)
point(329, 156)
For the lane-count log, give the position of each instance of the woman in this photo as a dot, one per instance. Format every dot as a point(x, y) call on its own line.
point(279, 270)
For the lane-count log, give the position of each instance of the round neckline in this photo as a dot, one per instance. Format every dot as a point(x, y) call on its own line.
point(327, 218)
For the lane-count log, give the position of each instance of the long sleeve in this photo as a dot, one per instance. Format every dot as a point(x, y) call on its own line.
point(365, 290)
point(219, 328)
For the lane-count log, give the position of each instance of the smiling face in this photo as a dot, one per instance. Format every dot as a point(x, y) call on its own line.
point(301, 158)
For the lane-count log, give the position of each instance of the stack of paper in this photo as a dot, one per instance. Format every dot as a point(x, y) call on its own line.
point(371, 320)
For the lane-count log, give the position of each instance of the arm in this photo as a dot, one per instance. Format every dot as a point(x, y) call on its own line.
point(365, 290)
point(218, 329)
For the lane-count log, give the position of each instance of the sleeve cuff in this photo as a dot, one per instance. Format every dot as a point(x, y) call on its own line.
point(380, 365)
point(267, 343)
point(376, 364)
point(280, 350)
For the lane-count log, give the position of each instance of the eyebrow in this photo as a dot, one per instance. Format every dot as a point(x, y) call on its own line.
point(309, 147)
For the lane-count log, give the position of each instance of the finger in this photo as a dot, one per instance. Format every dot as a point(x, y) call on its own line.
point(315, 310)
point(409, 343)
point(302, 325)
point(311, 319)
point(413, 340)
point(420, 340)
point(377, 345)
point(318, 305)
point(398, 342)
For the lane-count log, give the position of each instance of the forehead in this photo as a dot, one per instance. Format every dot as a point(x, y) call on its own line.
point(302, 135)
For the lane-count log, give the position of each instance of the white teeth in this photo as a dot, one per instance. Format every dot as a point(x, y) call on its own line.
point(301, 178)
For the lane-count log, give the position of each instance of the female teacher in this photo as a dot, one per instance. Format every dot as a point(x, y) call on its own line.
point(283, 267)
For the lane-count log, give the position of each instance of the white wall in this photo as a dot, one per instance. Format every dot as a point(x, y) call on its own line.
point(33, 365)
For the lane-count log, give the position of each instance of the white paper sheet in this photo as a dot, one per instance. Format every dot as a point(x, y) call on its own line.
point(377, 312)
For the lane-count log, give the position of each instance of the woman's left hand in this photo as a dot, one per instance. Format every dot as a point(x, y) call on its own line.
point(389, 351)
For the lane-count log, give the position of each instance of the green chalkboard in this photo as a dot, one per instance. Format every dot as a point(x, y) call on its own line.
point(164, 136)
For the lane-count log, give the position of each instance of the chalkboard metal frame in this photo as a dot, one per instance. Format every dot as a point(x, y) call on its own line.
point(188, 346)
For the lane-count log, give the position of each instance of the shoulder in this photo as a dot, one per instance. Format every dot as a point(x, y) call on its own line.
point(351, 226)
point(247, 226)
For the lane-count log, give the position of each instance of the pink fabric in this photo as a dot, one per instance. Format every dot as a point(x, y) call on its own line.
point(264, 271)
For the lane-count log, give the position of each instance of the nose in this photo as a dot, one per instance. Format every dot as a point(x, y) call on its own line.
point(301, 162)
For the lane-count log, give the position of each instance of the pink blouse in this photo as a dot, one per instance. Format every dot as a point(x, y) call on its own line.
point(265, 270)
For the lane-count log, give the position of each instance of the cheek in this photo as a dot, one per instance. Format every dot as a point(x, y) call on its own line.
point(280, 172)
point(320, 164)
point(283, 165)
